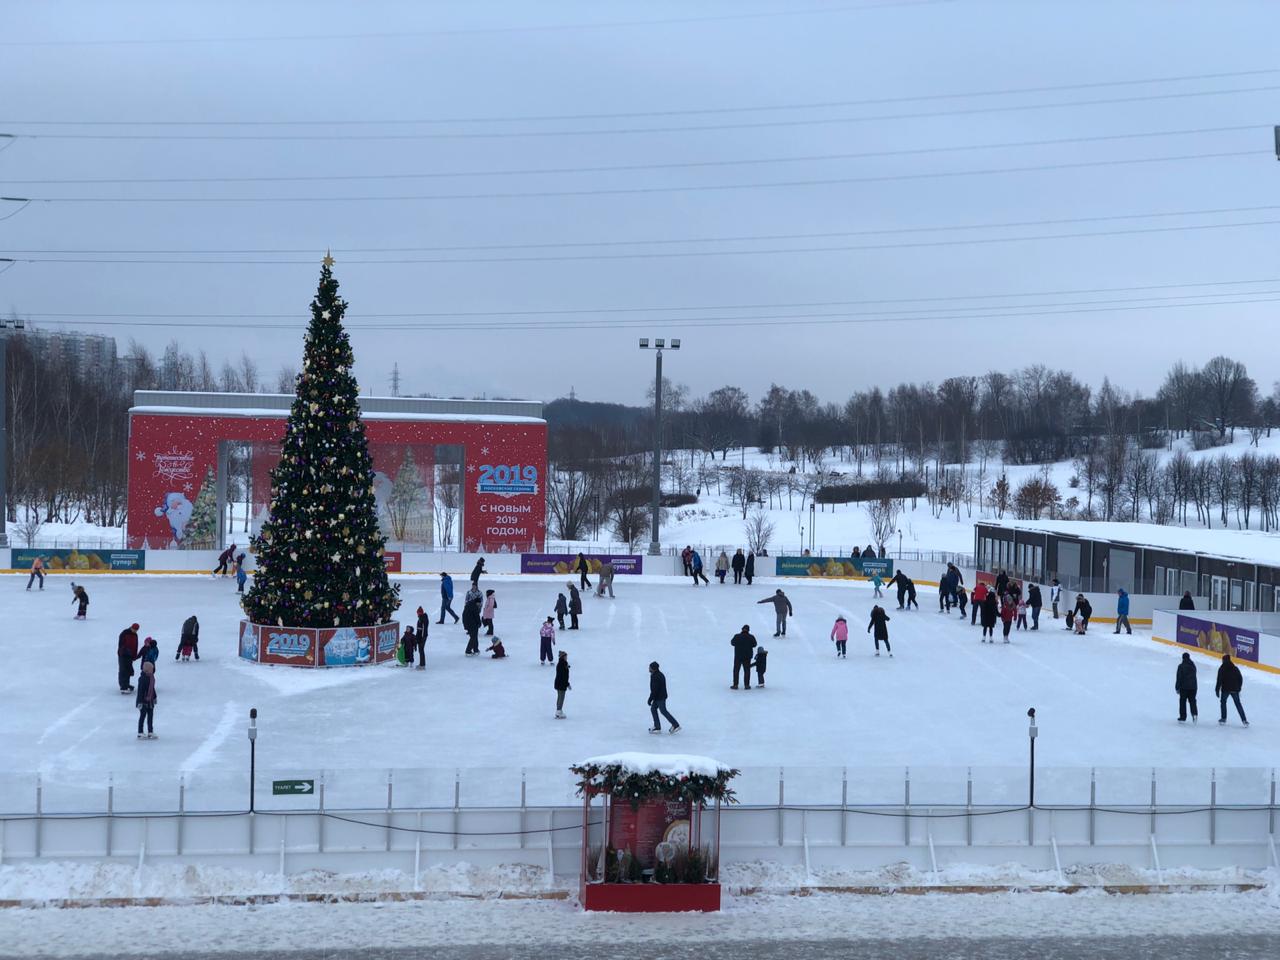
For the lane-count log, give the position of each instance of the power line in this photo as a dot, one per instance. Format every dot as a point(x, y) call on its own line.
point(687, 308)
point(471, 31)
point(703, 322)
point(664, 255)
point(619, 168)
point(638, 114)
point(610, 131)
point(683, 188)
point(729, 238)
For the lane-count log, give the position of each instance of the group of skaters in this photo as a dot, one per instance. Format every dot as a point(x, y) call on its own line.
point(147, 653)
point(742, 565)
point(229, 561)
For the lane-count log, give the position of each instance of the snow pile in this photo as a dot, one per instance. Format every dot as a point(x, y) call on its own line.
point(666, 764)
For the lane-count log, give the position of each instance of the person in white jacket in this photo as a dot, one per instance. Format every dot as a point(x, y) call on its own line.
point(1055, 591)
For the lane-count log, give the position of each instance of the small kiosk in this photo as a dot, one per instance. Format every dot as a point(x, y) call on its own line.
point(644, 849)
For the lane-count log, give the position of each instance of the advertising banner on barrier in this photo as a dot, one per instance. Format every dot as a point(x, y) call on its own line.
point(1218, 638)
point(344, 646)
point(293, 646)
point(833, 567)
point(393, 560)
point(248, 641)
point(565, 563)
point(318, 647)
point(80, 561)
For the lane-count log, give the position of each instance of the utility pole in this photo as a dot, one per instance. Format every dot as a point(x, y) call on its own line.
point(395, 380)
point(655, 547)
point(17, 323)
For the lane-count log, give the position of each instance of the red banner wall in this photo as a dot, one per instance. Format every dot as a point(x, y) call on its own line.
point(503, 474)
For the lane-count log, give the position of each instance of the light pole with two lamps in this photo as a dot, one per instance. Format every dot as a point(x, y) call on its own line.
point(659, 344)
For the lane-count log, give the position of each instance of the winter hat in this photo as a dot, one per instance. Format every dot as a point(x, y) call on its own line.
point(1186, 656)
point(419, 611)
point(760, 650)
point(133, 626)
point(653, 664)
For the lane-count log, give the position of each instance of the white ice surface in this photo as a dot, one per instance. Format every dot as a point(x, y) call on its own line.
point(943, 701)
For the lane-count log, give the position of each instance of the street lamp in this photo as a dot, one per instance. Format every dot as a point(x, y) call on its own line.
point(812, 526)
point(253, 752)
point(659, 344)
point(1032, 730)
point(17, 323)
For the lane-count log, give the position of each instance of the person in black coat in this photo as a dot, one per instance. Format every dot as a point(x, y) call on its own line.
point(744, 645)
point(1084, 610)
point(476, 571)
point(911, 593)
point(899, 580)
point(1186, 603)
point(658, 700)
point(562, 685)
point(1184, 685)
point(1002, 583)
point(471, 622)
point(880, 624)
point(761, 663)
point(990, 613)
point(1229, 684)
point(189, 640)
point(749, 570)
point(738, 563)
point(575, 606)
point(561, 608)
point(420, 638)
point(146, 700)
point(582, 568)
point(1035, 602)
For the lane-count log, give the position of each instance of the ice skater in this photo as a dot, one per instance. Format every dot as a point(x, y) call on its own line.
point(876, 584)
point(189, 640)
point(37, 572)
point(1122, 611)
point(575, 606)
point(146, 701)
point(781, 610)
point(604, 582)
point(749, 569)
point(658, 700)
point(1020, 606)
point(743, 644)
point(561, 608)
point(126, 653)
point(979, 597)
point(990, 614)
point(739, 564)
point(962, 599)
point(79, 595)
point(582, 568)
point(1184, 685)
point(1084, 612)
point(498, 651)
point(1229, 684)
point(880, 624)
point(1055, 596)
point(420, 638)
point(1035, 602)
point(761, 662)
point(1008, 609)
point(242, 575)
point(562, 684)
point(486, 614)
point(696, 563)
point(404, 652)
point(446, 598)
point(476, 573)
point(224, 561)
point(546, 640)
point(840, 634)
point(471, 621)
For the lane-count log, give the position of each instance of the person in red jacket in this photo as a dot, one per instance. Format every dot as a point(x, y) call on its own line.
point(126, 653)
point(1008, 607)
point(979, 594)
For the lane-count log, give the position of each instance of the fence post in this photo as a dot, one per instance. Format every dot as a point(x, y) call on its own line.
point(844, 805)
point(1213, 806)
point(1093, 805)
point(111, 803)
point(524, 806)
point(906, 807)
point(389, 806)
point(1153, 802)
point(320, 796)
point(781, 800)
point(39, 813)
point(182, 808)
point(1271, 814)
point(968, 807)
point(457, 803)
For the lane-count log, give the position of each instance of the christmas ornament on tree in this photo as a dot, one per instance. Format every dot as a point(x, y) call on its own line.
point(323, 523)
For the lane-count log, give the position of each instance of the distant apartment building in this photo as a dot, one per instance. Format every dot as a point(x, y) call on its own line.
point(83, 351)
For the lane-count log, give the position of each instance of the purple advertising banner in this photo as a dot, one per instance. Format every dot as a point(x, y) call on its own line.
point(1218, 638)
point(565, 564)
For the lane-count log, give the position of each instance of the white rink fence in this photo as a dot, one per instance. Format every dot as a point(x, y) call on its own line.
point(813, 817)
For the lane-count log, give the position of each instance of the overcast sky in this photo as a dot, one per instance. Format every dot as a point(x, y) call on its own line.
point(591, 74)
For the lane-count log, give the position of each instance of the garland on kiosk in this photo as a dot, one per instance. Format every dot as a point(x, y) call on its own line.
point(624, 783)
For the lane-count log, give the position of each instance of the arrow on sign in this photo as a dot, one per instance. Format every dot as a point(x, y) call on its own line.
point(292, 787)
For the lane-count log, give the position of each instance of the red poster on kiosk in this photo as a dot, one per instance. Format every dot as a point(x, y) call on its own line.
point(640, 830)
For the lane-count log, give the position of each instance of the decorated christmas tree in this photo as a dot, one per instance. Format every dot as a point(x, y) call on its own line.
point(319, 555)
point(202, 528)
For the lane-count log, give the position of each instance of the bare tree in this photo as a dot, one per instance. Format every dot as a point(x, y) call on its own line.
point(883, 518)
point(758, 529)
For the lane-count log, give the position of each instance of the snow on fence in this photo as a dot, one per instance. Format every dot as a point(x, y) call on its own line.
point(857, 818)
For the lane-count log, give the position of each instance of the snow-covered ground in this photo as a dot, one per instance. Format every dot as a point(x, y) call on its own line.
point(943, 701)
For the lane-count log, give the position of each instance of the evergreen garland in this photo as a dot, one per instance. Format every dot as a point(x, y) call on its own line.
point(320, 553)
point(623, 783)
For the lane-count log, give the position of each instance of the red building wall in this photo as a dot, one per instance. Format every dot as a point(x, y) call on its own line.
point(504, 469)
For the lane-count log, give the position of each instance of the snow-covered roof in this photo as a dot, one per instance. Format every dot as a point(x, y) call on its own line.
point(667, 764)
point(278, 414)
point(1251, 546)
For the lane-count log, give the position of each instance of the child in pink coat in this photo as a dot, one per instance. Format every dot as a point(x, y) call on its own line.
point(486, 615)
point(840, 634)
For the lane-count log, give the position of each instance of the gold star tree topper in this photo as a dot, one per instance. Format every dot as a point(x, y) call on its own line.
point(328, 259)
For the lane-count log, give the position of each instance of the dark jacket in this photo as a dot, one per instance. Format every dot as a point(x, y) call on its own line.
point(880, 622)
point(227, 555)
point(423, 620)
point(1186, 603)
point(146, 690)
point(750, 568)
point(780, 603)
point(738, 562)
point(899, 580)
point(128, 644)
point(471, 614)
point(1229, 678)
point(582, 565)
point(80, 595)
point(562, 675)
point(743, 643)
point(191, 628)
point(1185, 683)
point(990, 610)
point(575, 600)
point(477, 570)
point(1084, 609)
point(1002, 583)
point(761, 662)
point(657, 686)
point(562, 605)
point(1033, 597)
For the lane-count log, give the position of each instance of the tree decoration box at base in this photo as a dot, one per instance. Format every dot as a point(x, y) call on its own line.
point(318, 646)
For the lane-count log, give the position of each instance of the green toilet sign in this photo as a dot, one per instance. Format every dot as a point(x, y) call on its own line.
point(288, 788)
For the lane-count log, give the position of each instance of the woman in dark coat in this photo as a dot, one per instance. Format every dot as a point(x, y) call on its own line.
point(471, 622)
point(562, 683)
point(1186, 603)
point(749, 571)
point(990, 614)
point(575, 606)
point(1185, 685)
point(880, 624)
point(581, 569)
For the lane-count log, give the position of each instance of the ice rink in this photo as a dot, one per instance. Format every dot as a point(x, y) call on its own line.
point(943, 700)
